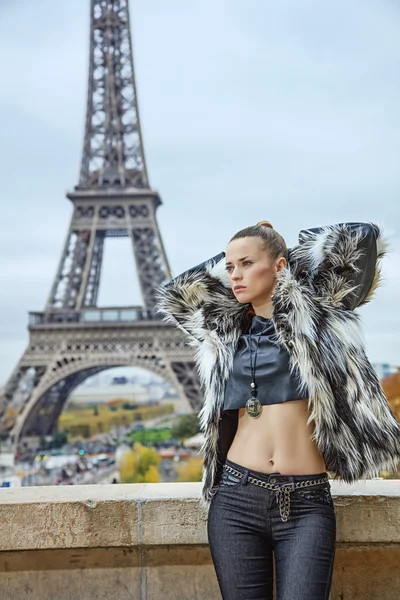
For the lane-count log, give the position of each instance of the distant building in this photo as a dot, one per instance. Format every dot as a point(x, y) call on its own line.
point(119, 380)
point(104, 393)
point(385, 369)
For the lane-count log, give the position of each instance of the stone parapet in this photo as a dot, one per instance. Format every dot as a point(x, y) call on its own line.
point(149, 541)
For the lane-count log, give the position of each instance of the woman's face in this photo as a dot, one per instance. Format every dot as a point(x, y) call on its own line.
point(250, 266)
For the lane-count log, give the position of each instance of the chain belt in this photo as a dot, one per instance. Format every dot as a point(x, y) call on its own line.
point(283, 491)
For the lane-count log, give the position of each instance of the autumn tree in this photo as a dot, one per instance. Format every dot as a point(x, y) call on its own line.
point(140, 465)
point(190, 470)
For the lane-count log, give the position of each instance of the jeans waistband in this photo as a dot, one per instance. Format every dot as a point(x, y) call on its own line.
point(276, 477)
point(283, 485)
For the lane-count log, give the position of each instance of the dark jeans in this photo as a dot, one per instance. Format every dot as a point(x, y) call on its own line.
point(245, 530)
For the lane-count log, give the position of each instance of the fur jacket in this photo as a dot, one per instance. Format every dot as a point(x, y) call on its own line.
point(332, 271)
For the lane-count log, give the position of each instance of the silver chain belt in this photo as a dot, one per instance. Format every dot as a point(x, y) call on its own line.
point(283, 490)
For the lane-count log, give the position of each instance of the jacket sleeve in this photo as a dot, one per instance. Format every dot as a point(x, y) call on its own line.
point(183, 299)
point(346, 256)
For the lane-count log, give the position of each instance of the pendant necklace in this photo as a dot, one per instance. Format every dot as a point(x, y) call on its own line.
point(253, 405)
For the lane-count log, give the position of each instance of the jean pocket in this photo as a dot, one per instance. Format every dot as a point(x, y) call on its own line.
point(230, 480)
point(316, 495)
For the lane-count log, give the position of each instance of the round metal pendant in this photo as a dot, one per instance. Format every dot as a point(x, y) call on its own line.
point(253, 407)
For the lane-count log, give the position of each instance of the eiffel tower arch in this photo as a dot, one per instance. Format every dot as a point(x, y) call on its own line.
point(74, 338)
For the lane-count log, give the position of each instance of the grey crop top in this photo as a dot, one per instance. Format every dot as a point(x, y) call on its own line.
point(275, 383)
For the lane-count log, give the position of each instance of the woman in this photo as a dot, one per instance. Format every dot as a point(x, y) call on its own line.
point(289, 395)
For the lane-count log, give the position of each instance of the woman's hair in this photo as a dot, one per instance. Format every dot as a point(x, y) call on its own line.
point(273, 242)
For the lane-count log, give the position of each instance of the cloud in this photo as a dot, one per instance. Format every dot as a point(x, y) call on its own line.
point(280, 111)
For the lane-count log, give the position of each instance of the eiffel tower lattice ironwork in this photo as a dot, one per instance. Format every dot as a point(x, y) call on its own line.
point(73, 338)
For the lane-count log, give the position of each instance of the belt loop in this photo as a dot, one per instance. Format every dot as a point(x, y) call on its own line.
point(245, 476)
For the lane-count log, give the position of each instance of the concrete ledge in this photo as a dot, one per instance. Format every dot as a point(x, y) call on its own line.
point(129, 515)
point(150, 541)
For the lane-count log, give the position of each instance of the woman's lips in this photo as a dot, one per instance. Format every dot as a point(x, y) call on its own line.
point(239, 289)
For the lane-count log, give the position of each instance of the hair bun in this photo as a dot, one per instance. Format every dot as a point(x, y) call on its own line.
point(265, 223)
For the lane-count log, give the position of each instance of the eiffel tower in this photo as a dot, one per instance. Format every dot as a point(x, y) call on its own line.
point(74, 338)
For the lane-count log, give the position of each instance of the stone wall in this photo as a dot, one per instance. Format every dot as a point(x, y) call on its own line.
point(149, 541)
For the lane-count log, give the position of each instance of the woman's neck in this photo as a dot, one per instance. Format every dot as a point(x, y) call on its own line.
point(263, 310)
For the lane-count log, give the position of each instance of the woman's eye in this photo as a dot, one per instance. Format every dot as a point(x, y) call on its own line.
point(246, 262)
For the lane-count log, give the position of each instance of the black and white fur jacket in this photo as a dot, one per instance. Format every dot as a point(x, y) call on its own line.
point(333, 270)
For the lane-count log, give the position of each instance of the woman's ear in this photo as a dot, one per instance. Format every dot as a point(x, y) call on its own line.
point(282, 262)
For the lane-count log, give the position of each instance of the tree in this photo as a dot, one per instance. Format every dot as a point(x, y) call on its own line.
point(129, 406)
point(153, 474)
point(60, 438)
point(186, 426)
point(190, 470)
point(140, 465)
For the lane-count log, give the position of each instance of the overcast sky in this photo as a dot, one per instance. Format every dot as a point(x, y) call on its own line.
point(250, 110)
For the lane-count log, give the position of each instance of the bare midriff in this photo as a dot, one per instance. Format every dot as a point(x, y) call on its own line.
point(278, 441)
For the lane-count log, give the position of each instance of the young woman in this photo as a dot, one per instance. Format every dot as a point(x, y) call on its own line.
point(289, 397)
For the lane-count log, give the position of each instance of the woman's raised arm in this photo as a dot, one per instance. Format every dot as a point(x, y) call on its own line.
point(183, 298)
point(344, 257)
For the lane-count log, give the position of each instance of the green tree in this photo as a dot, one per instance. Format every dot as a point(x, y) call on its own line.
point(42, 443)
point(60, 438)
point(129, 406)
point(185, 427)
